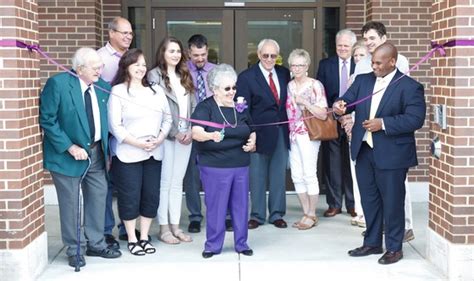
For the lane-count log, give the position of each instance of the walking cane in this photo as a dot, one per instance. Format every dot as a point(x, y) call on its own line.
point(78, 250)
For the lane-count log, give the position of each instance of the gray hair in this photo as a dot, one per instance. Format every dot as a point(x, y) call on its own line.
point(299, 53)
point(82, 56)
point(265, 41)
point(215, 76)
point(114, 23)
point(348, 32)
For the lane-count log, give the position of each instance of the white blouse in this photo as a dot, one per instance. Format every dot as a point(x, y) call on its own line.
point(141, 114)
point(180, 92)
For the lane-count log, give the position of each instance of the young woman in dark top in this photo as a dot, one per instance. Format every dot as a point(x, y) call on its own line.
point(223, 159)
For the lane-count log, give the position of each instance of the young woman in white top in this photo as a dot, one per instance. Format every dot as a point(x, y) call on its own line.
point(304, 93)
point(172, 75)
point(139, 119)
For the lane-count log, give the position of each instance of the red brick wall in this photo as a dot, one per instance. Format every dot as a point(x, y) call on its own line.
point(408, 26)
point(21, 172)
point(451, 206)
point(355, 15)
point(65, 26)
point(111, 9)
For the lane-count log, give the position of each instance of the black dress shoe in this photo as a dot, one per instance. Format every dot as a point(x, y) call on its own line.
point(365, 251)
point(104, 253)
point(124, 237)
point(207, 255)
point(228, 225)
point(391, 257)
point(253, 224)
point(194, 227)
point(247, 252)
point(73, 261)
point(111, 242)
point(280, 223)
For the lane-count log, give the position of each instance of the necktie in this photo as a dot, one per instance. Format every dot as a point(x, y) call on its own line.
point(374, 105)
point(201, 89)
point(89, 113)
point(273, 88)
point(344, 78)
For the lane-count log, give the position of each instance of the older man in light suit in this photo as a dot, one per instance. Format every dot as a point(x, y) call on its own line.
point(73, 115)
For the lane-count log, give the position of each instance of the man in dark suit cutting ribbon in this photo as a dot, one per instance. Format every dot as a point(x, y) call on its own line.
point(383, 146)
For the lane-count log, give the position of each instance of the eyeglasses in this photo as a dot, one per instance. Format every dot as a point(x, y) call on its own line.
point(228, 88)
point(298, 65)
point(94, 68)
point(125, 33)
point(266, 56)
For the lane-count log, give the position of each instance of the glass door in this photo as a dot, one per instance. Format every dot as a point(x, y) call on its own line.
point(183, 23)
point(290, 28)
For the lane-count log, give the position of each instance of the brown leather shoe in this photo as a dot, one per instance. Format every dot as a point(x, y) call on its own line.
point(253, 224)
point(391, 257)
point(352, 212)
point(280, 223)
point(331, 212)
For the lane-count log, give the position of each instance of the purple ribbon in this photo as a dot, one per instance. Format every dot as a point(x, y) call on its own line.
point(20, 44)
point(435, 47)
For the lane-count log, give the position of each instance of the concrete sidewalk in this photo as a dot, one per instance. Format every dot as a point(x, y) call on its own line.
point(279, 254)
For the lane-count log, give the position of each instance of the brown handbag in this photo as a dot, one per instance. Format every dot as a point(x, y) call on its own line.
point(320, 129)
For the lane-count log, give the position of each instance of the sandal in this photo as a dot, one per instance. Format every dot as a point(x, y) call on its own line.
point(297, 223)
point(182, 236)
point(147, 246)
point(135, 249)
point(168, 238)
point(308, 222)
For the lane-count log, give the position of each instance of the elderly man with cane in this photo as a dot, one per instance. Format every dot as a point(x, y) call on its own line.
point(73, 115)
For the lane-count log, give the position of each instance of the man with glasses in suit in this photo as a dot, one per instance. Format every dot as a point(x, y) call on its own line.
point(264, 87)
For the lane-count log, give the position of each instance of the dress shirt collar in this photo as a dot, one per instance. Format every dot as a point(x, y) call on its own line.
point(348, 61)
point(84, 86)
point(192, 67)
point(112, 51)
point(387, 78)
point(266, 72)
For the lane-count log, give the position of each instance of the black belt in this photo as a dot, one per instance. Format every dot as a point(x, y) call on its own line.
point(93, 145)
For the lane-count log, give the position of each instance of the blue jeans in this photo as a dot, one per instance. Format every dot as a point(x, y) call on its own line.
point(109, 211)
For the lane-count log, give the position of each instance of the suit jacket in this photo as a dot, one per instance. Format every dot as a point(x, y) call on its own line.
point(253, 86)
point(328, 75)
point(64, 121)
point(154, 76)
point(403, 110)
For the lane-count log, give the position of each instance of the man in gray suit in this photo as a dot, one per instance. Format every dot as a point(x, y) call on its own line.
point(73, 115)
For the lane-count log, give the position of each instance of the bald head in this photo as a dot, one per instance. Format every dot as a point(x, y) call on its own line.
point(384, 59)
point(388, 49)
